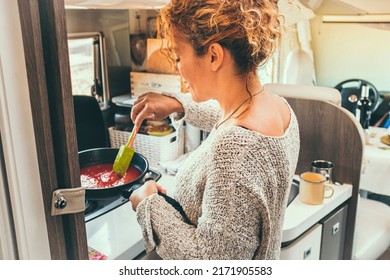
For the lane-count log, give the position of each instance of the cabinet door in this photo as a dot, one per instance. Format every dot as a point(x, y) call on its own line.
point(305, 247)
point(333, 235)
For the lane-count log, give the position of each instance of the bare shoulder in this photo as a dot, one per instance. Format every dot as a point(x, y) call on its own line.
point(269, 115)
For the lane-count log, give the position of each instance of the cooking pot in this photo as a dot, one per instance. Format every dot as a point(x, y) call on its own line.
point(108, 155)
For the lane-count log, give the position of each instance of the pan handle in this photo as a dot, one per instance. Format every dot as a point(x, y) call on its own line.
point(127, 193)
point(176, 205)
point(173, 203)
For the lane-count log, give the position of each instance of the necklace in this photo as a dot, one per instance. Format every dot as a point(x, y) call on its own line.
point(239, 106)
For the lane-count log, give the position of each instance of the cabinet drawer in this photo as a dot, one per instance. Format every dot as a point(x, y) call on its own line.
point(305, 247)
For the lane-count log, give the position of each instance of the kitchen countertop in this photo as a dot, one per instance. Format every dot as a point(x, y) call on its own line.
point(118, 235)
point(299, 216)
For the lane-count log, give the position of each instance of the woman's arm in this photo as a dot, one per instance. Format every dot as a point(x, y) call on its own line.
point(203, 115)
point(229, 227)
point(155, 106)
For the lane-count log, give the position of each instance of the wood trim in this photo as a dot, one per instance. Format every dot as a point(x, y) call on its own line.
point(330, 132)
point(46, 51)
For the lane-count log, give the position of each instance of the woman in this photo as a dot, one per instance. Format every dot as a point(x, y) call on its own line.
point(234, 186)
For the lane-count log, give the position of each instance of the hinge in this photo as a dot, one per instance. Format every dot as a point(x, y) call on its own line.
point(68, 201)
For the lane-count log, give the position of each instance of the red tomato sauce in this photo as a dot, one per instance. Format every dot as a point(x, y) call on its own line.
point(101, 176)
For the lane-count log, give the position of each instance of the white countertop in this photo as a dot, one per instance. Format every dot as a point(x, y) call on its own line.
point(118, 235)
point(299, 216)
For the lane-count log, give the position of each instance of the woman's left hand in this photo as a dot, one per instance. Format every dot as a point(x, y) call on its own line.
point(147, 189)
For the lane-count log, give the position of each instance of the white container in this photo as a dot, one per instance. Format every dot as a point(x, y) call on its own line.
point(156, 149)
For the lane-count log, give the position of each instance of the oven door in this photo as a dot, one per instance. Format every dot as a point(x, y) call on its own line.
point(112, 227)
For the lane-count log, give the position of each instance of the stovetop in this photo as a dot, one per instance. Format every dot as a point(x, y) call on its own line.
point(96, 208)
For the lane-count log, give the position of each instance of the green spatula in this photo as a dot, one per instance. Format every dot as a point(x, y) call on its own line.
point(125, 155)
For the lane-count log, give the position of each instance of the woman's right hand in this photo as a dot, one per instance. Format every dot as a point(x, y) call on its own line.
point(148, 188)
point(154, 106)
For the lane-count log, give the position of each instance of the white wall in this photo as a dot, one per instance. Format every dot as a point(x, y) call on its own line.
point(20, 156)
point(348, 50)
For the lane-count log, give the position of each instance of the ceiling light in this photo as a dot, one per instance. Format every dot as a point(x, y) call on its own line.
point(356, 19)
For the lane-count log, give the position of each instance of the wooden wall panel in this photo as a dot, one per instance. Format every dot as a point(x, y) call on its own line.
point(330, 132)
point(46, 51)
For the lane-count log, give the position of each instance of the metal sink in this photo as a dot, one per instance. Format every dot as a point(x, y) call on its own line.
point(293, 192)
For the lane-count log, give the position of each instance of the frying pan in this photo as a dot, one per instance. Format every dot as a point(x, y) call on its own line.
point(108, 155)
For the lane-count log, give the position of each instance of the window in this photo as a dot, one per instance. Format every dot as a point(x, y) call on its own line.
point(88, 66)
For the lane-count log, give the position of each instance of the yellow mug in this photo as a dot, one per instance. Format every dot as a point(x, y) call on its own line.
point(312, 188)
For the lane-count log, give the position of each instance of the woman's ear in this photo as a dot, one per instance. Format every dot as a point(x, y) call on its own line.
point(217, 55)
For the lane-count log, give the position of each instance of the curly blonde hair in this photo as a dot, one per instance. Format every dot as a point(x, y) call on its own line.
point(249, 29)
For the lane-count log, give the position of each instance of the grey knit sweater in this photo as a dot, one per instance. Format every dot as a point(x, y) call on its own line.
point(234, 189)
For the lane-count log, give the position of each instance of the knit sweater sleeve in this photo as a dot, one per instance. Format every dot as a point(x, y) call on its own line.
point(229, 225)
point(203, 115)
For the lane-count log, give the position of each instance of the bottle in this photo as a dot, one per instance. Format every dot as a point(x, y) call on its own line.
point(364, 103)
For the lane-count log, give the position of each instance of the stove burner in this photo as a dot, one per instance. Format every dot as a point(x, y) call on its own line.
point(87, 206)
point(90, 206)
point(96, 208)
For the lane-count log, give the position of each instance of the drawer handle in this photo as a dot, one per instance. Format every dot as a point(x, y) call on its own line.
point(306, 253)
point(152, 84)
point(335, 228)
point(155, 85)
